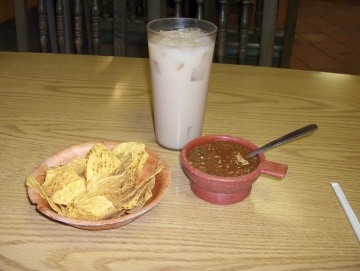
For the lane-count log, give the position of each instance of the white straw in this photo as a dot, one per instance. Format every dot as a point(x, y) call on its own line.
point(347, 208)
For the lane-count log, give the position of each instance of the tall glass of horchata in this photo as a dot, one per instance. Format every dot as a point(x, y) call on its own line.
point(181, 52)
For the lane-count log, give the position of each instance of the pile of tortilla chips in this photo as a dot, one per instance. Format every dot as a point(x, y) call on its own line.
point(106, 184)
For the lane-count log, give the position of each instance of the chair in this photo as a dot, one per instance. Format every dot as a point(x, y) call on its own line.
point(93, 27)
point(254, 39)
point(261, 42)
point(22, 29)
point(248, 36)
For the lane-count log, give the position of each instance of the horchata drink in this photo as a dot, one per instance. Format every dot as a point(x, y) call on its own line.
point(181, 52)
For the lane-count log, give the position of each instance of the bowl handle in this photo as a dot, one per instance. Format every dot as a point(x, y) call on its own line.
point(274, 169)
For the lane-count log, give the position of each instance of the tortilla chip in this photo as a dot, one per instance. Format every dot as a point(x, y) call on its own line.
point(141, 201)
point(69, 192)
point(122, 149)
point(95, 208)
point(34, 184)
point(138, 158)
point(101, 163)
point(137, 197)
point(129, 200)
point(57, 178)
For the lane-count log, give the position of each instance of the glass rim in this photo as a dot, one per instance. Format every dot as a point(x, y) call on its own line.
point(181, 18)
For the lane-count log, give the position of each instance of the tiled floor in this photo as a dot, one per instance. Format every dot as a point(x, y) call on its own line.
point(327, 36)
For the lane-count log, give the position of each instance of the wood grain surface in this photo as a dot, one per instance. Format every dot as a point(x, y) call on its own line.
point(49, 102)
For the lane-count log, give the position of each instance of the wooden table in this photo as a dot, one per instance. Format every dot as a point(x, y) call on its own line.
point(49, 102)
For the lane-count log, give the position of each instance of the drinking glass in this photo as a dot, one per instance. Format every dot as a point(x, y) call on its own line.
point(181, 53)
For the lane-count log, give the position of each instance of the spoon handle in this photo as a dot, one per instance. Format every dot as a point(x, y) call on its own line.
point(300, 132)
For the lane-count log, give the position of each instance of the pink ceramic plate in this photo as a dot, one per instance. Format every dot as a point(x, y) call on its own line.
point(162, 183)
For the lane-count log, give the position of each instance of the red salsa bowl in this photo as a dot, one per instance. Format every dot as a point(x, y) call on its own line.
point(228, 189)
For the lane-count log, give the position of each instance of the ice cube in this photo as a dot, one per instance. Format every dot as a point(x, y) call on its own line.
point(158, 53)
point(198, 73)
point(155, 66)
point(180, 66)
point(204, 59)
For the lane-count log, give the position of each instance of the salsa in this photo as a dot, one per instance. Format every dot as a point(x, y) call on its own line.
point(222, 158)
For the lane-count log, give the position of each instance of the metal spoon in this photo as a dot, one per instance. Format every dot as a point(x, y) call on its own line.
point(300, 132)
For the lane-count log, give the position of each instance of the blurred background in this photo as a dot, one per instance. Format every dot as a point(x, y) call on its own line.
point(327, 36)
